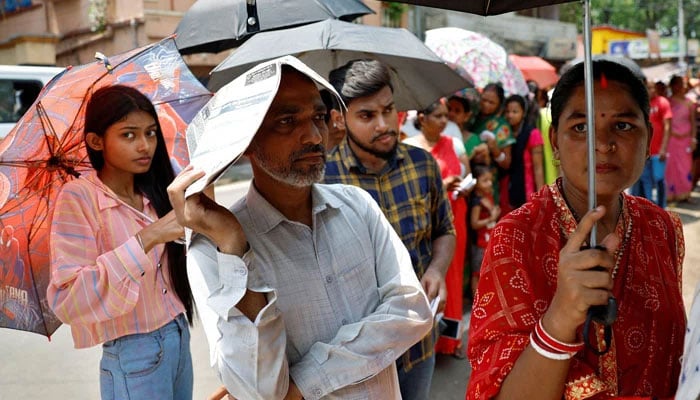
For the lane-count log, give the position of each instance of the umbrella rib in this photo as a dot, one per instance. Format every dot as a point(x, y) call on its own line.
point(46, 121)
point(191, 98)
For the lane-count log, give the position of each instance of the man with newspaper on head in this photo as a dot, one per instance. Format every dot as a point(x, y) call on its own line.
point(304, 289)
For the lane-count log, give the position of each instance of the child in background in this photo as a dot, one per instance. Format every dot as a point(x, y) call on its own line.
point(483, 214)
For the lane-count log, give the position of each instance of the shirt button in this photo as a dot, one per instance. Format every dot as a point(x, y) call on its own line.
point(344, 321)
point(158, 265)
point(242, 271)
point(329, 279)
point(165, 291)
point(143, 273)
point(317, 392)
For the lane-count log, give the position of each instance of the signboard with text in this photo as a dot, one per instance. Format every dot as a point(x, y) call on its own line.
point(639, 48)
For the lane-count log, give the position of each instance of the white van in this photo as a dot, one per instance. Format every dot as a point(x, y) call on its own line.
point(19, 87)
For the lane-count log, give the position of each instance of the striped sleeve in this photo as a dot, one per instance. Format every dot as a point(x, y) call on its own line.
point(88, 285)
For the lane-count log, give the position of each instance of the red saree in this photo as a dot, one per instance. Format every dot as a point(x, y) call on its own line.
point(518, 280)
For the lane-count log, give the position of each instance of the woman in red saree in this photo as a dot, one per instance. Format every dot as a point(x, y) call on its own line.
point(431, 122)
point(537, 282)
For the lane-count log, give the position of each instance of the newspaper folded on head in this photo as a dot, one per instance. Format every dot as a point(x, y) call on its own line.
point(222, 130)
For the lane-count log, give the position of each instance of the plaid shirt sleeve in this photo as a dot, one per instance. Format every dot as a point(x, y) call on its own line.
point(443, 220)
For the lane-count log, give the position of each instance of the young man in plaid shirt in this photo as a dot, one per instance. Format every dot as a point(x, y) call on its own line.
point(405, 182)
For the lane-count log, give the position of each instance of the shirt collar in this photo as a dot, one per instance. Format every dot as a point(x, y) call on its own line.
point(265, 217)
point(106, 198)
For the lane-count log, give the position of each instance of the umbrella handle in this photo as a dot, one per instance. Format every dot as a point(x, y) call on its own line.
point(602, 314)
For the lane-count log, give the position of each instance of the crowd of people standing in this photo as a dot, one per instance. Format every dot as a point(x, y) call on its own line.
point(321, 282)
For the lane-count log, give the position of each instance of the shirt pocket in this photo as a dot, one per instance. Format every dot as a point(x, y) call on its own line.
point(359, 287)
point(414, 220)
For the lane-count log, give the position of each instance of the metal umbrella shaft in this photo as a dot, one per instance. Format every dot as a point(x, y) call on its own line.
point(603, 314)
point(590, 112)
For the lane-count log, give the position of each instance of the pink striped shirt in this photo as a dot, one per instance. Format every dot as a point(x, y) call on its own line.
point(102, 283)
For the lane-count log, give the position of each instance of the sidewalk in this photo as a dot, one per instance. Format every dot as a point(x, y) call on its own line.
point(33, 368)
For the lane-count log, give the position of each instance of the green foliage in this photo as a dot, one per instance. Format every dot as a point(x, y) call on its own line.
point(97, 15)
point(394, 11)
point(636, 15)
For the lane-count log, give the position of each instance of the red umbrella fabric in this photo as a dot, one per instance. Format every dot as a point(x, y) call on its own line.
point(45, 150)
point(536, 69)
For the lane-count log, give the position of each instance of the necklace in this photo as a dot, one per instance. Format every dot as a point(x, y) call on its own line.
point(626, 226)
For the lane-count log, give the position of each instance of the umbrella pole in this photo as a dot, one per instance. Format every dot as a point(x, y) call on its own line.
point(590, 114)
point(602, 314)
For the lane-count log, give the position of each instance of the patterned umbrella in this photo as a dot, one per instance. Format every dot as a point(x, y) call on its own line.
point(45, 150)
point(484, 60)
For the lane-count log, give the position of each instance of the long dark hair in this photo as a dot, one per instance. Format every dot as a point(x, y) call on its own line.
point(516, 184)
point(109, 105)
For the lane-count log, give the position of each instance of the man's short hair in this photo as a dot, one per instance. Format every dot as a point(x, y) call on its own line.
point(360, 78)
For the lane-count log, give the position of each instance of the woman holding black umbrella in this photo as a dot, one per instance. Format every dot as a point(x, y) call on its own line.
point(530, 314)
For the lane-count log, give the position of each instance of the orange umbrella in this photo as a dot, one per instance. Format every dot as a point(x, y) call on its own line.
point(46, 149)
point(536, 69)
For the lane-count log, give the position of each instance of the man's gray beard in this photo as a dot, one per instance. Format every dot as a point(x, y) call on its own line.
point(289, 175)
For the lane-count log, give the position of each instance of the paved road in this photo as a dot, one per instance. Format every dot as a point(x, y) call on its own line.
point(33, 368)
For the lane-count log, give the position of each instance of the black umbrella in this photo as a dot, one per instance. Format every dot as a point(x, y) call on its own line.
point(329, 44)
point(211, 26)
point(484, 7)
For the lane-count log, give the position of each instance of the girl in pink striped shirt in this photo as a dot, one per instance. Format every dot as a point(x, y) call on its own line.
point(117, 276)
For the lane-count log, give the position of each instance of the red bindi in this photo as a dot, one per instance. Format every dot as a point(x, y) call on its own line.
point(603, 81)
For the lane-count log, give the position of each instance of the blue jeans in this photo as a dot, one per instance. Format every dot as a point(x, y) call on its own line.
point(415, 384)
point(155, 365)
point(649, 186)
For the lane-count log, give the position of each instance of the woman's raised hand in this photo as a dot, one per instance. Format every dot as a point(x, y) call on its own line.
point(579, 286)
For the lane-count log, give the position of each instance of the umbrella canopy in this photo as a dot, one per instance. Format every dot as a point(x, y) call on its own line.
point(536, 69)
point(211, 26)
point(484, 7)
point(420, 77)
point(663, 72)
point(46, 149)
point(484, 60)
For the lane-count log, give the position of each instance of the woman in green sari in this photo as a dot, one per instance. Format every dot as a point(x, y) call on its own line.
point(495, 131)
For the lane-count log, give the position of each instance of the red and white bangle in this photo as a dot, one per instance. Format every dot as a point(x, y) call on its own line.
point(547, 346)
point(546, 353)
point(555, 344)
